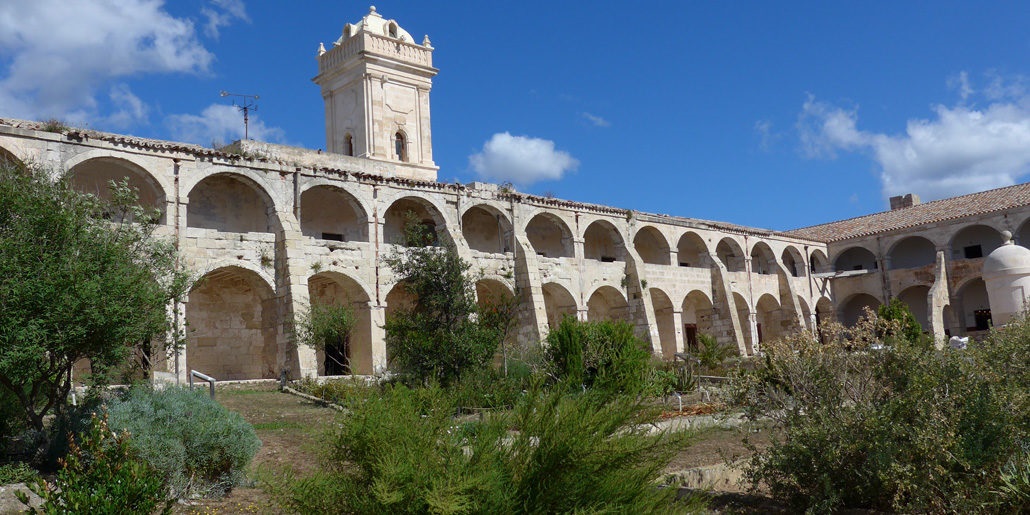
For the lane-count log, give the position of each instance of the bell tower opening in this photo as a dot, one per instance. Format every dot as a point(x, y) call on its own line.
point(375, 82)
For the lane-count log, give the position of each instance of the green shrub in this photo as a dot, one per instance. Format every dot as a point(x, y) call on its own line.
point(711, 354)
point(601, 355)
point(342, 392)
point(554, 452)
point(199, 445)
point(102, 474)
point(904, 428)
point(18, 472)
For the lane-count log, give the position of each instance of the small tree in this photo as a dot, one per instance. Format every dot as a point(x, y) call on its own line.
point(326, 327)
point(897, 311)
point(439, 337)
point(80, 279)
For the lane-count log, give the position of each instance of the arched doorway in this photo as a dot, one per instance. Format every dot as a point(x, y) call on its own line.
point(353, 354)
point(665, 320)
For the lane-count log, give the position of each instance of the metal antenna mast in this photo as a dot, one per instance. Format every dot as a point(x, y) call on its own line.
point(246, 104)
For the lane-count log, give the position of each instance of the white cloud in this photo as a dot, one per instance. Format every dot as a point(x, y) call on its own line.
point(596, 121)
point(60, 53)
point(521, 159)
point(960, 149)
point(130, 109)
point(766, 136)
point(220, 124)
point(222, 14)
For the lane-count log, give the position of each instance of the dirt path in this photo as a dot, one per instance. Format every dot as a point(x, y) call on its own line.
point(290, 429)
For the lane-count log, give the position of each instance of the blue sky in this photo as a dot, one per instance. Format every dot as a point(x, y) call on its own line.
point(776, 115)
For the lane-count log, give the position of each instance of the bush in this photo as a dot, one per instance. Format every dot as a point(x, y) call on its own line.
point(905, 428)
point(554, 452)
point(102, 474)
point(19, 472)
point(602, 355)
point(200, 446)
point(711, 354)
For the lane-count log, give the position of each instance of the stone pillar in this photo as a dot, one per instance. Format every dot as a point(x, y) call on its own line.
point(377, 314)
point(677, 320)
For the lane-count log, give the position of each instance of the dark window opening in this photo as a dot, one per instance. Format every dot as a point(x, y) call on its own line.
point(983, 319)
point(400, 146)
point(348, 145)
point(690, 330)
point(683, 263)
point(542, 254)
point(332, 236)
point(607, 259)
point(857, 267)
point(973, 252)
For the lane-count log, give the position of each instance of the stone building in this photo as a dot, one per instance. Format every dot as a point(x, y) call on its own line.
point(269, 229)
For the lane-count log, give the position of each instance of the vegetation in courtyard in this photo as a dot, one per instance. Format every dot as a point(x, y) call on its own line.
point(102, 474)
point(200, 447)
point(81, 279)
point(874, 418)
point(598, 355)
point(440, 337)
point(326, 326)
point(554, 452)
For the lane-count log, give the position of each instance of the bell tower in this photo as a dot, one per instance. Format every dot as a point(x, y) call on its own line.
point(375, 81)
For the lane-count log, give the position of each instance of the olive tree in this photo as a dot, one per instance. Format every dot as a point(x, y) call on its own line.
point(80, 279)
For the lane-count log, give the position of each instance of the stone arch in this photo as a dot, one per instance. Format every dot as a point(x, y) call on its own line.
point(665, 321)
point(558, 303)
point(855, 258)
point(93, 176)
point(491, 293)
point(974, 307)
point(602, 242)
point(974, 241)
point(486, 229)
point(354, 354)
point(853, 308)
point(231, 202)
point(423, 210)
point(769, 318)
point(912, 252)
point(6, 156)
point(729, 252)
point(232, 325)
point(763, 260)
point(916, 298)
point(744, 315)
point(824, 311)
point(332, 213)
point(652, 246)
point(818, 263)
point(697, 316)
point(793, 261)
point(399, 298)
point(691, 251)
point(550, 236)
point(806, 313)
point(1022, 235)
point(607, 303)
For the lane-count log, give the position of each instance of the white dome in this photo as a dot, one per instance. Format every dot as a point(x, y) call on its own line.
point(375, 24)
point(1008, 259)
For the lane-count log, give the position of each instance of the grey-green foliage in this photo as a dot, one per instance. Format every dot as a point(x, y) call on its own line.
point(598, 355)
point(79, 279)
point(904, 428)
point(202, 447)
point(554, 452)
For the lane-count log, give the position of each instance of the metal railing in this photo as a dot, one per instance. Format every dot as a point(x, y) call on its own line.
point(205, 377)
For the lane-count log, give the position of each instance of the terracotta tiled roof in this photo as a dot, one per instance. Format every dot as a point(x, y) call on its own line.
point(984, 202)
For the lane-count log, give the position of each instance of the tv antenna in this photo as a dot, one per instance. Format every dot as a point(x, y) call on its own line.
point(245, 104)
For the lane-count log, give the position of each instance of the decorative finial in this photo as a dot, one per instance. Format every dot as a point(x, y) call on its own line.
point(1006, 237)
point(425, 42)
point(371, 9)
point(321, 49)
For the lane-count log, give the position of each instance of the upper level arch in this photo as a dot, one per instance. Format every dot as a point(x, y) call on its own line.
point(418, 210)
point(818, 263)
point(332, 213)
point(232, 203)
point(912, 252)
point(974, 241)
point(652, 246)
point(729, 252)
point(6, 156)
point(486, 229)
point(94, 176)
point(763, 260)
point(793, 261)
point(602, 242)
point(855, 258)
point(691, 251)
point(854, 308)
point(550, 236)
